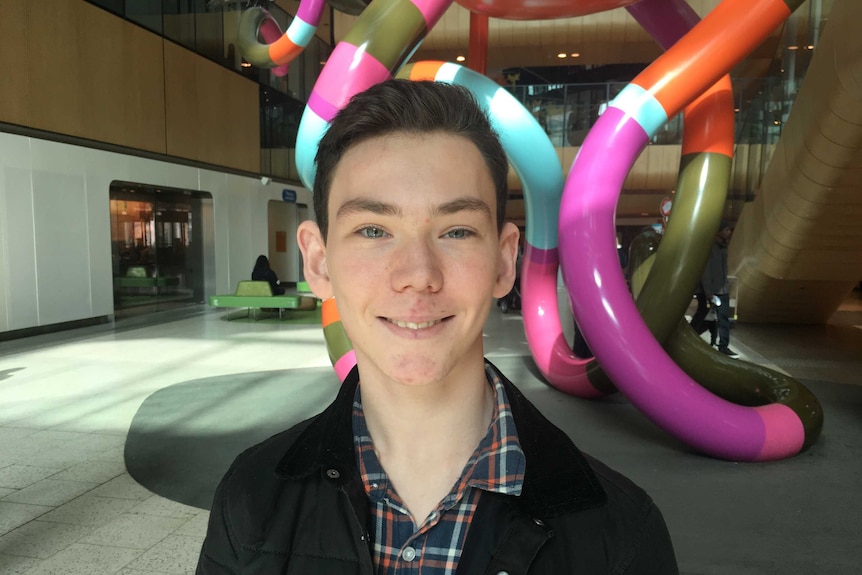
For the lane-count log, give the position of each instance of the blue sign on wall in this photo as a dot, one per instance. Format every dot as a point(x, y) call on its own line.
point(288, 195)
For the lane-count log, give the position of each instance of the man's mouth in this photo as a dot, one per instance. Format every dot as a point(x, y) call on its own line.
point(414, 325)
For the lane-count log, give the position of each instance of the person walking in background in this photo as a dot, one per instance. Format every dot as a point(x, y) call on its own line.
point(263, 273)
point(714, 283)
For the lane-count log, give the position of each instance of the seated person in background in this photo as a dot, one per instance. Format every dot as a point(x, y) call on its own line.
point(429, 460)
point(263, 273)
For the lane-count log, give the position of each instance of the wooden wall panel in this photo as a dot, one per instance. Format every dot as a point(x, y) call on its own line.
point(94, 75)
point(14, 64)
point(212, 113)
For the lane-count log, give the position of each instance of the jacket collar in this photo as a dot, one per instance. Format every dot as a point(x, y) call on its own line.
point(557, 480)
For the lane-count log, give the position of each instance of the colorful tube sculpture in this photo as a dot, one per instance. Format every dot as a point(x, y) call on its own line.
point(629, 347)
point(608, 317)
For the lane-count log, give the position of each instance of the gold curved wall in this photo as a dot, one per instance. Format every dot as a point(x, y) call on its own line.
point(797, 249)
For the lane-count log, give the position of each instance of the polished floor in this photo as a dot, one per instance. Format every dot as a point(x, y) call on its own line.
point(68, 504)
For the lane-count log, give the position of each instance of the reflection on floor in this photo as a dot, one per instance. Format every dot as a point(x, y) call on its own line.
point(67, 400)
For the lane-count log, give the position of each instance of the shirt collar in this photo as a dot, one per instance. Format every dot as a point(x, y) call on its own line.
point(557, 477)
point(497, 463)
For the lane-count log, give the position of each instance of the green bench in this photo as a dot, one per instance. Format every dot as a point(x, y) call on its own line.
point(136, 277)
point(255, 295)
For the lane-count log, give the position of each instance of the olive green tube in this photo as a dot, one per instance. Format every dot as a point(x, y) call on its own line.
point(741, 382)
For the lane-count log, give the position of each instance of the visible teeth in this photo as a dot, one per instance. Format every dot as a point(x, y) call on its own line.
point(411, 325)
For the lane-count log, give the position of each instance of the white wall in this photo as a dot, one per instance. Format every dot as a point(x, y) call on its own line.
point(55, 233)
point(283, 217)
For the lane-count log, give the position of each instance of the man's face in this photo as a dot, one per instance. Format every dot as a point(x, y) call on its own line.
point(413, 256)
point(725, 233)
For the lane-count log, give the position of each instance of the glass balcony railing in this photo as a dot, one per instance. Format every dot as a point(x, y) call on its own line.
point(568, 111)
point(762, 106)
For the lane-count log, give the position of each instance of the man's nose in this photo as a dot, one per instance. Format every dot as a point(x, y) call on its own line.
point(416, 265)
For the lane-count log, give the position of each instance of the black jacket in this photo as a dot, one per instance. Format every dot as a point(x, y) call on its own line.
point(714, 280)
point(294, 504)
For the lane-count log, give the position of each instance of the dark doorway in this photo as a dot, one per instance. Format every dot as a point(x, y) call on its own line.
point(157, 247)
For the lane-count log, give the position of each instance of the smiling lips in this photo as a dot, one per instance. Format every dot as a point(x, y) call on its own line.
point(414, 325)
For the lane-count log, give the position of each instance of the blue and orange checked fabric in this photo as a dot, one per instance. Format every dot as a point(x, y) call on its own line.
point(435, 547)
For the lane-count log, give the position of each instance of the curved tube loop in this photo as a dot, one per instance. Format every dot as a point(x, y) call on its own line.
point(734, 432)
point(741, 382)
point(381, 40)
point(606, 313)
point(280, 49)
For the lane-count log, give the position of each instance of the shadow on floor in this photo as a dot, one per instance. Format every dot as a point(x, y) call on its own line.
point(800, 515)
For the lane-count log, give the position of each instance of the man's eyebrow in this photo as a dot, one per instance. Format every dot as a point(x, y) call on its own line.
point(358, 205)
point(462, 205)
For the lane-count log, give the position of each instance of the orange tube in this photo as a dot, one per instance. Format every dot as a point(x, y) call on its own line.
point(329, 312)
point(701, 57)
point(425, 70)
point(284, 50)
point(708, 125)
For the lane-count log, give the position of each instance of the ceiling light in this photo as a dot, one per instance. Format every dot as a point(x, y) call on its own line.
point(810, 46)
point(460, 58)
point(561, 55)
point(793, 47)
point(576, 55)
point(246, 64)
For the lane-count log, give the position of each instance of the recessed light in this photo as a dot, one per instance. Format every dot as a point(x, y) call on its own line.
point(460, 58)
point(576, 55)
point(561, 55)
point(793, 47)
point(246, 64)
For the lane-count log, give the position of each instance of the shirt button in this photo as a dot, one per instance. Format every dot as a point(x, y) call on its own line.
point(408, 554)
point(503, 573)
point(333, 473)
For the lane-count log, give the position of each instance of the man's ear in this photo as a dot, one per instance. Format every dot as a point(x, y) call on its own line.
point(313, 250)
point(508, 259)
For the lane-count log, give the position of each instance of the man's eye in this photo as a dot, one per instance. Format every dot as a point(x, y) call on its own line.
point(372, 232)
point(459, 234)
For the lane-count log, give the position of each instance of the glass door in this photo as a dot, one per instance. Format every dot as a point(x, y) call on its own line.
point(156, 248)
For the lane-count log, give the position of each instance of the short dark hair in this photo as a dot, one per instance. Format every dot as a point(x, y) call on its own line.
point(405, 106)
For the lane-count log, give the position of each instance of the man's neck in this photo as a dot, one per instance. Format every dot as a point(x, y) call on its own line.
point(424, 436)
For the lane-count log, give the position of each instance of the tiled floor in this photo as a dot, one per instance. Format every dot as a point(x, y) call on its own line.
point(67, 505)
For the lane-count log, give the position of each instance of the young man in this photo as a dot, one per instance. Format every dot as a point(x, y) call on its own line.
point(429, 461)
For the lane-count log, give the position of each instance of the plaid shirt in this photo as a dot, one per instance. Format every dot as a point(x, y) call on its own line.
point(434, 548)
